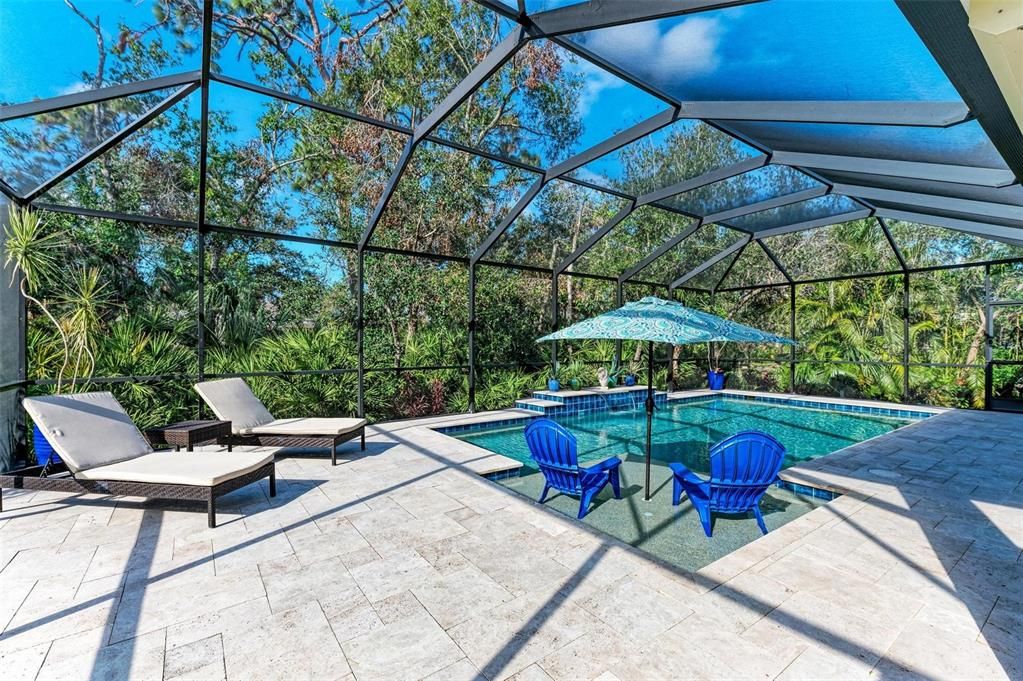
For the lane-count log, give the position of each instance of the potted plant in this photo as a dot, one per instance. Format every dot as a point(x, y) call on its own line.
point(573, 374)
point(630, 375)
point(553, 384)
point(35, 254)
point(716, 376)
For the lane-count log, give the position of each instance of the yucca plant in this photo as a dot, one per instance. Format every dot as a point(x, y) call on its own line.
point(86, 299)
point(34, 252)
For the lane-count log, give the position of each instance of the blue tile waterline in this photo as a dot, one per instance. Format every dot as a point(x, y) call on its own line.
point(488, 425)
point(806, 490)
point(684, 429)
point(909, 414)
point(503, 475)
point(565, 405)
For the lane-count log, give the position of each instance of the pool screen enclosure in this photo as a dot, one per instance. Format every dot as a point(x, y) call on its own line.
point(913, 127)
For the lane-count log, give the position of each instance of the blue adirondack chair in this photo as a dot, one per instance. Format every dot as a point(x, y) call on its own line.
point(553, 449)
point(742, 467)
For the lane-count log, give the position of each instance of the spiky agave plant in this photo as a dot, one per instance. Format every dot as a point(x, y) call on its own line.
point(34, 253)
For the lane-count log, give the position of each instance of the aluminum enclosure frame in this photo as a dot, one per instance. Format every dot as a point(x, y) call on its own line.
point(942, 31)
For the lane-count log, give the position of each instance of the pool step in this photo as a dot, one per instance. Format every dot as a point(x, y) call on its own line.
point(536, 405)
point(566, 403)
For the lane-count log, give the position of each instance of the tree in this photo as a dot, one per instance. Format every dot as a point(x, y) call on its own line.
point(274, 304)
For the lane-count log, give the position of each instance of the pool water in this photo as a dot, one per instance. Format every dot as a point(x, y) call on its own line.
point(671, 533)
point(685, 431)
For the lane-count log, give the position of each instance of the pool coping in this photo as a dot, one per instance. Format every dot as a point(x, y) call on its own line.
point(486, 420)
point(592, 391)
point(500, 467)
point(871, 407)
point(844, 499)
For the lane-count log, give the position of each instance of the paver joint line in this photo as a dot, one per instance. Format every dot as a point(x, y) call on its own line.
point(937, 537)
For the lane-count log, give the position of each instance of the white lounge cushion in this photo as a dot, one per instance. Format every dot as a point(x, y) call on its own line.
point(307, 426)
point(232, 400)
point(87, 430)
point(204, 469)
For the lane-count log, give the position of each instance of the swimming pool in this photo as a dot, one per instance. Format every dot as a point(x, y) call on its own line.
point(685, 431)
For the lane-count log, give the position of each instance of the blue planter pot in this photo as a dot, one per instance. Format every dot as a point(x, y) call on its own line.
point(630, 380)
point(716, 380)
point(553, 385)
point(43, 448)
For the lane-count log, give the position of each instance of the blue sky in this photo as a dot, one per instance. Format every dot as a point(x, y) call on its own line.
point(45, 46)
point(783, 49)
point(608, 103)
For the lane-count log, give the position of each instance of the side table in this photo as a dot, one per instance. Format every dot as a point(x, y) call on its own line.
point(189, 433)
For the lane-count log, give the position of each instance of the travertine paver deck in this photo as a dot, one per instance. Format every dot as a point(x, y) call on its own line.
point(403, 563)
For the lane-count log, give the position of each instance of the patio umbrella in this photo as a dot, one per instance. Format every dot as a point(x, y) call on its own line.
point(661, 321)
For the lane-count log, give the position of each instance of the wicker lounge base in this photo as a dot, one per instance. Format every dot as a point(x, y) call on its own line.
point(331, 441)
point(59, 479)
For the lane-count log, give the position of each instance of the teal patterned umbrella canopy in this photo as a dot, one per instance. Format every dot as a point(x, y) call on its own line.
point(664, 321)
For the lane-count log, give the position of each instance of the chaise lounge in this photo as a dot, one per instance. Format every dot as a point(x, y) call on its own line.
point(232, 400)
point(102, 452)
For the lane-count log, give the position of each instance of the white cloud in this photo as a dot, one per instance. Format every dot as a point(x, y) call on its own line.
point(687, 49)
point(595, 81)
point(587, 175)
point(73, 88)
point(690, 48)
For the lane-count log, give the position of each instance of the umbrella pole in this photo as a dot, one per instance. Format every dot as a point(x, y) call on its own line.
point(649, 411)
